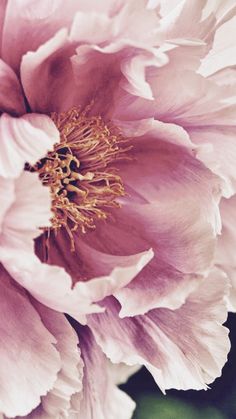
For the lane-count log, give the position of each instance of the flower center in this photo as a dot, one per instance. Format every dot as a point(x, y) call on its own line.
point(78, 171)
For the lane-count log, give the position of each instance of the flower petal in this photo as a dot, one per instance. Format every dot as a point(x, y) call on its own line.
point(22, 216)
point(57, 402)
point(163, 211)
point(95, 274)
point(11, 95)
point(223, 52)
point(101, 399)
point(2, 16)
point(157, 285)
point(185, 348)
point(71, 59)
point(7, 200)
point(32, 24)
point(50, 285)
point(217, 150)
point(225, 251)
point(177, 22)
point(50, 66)
point(24, 139)
point(25, 217)
point(29, 361)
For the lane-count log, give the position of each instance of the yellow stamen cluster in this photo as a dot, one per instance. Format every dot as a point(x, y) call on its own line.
point(78, 171)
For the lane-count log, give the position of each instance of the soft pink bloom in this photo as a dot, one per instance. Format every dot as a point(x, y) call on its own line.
point(147, 285)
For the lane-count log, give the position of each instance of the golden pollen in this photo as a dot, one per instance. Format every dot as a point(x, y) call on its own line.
point(78, 171)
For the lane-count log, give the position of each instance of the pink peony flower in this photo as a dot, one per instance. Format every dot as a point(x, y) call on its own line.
point(114, 178)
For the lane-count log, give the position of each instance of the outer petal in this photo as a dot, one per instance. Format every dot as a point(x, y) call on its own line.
point(9, 187)
point(2, 16)
point(117, 62)
point(72, 59)
point(189, 100)
point(166, 180)
point(24, 139)
point(57, 402)
point(165, 213)
point(58, 63)
point(225, 252)
point(132, 21)
point(183, 349)
point(11, 95)
point(50, 66)
point(21, 218)
point(122, 372)
point(25, 216)
point(52, 285)
point(177, 17)
point(96, 274)
point(101, 399)
point(217, 149)
point(29, 362)
point(223, 52)
point(32, 24)
point(158, 285)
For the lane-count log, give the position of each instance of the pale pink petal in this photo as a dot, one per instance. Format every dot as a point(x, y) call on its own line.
point(180, 258)
point(155, 129)
point(21, 219)
point(185, 348)
point(184, 19)
point(225, 251)
point(169, 172)
point(32, 24)
point(7, 190)
point(223, 52)
point(135, 72)
point(24, 139)
point(126, 268)
point(122, 372)
point(217, 150)
point(57, 63)
point(167, 215)
point(92, 27)
point(96, 274)
point(190, 99)
point(29, 360)
point(11, 95)
point(132, 21)
point(47, 75)
point(57, 402)
point(158, 285)
point(101, 399)
point(30, 209)
point(70, 60)
point(225, 77)
point(50, 285)
point(171, 99)
point(53, 286)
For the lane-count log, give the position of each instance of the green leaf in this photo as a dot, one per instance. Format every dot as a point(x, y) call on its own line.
point(151, 407)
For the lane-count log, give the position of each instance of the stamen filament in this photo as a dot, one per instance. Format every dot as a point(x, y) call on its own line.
point(78, 171)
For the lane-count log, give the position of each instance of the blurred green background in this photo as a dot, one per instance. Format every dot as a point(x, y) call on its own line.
point(219, 402)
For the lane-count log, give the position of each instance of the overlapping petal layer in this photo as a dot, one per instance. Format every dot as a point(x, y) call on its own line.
point(144, 279)
point(179, 349)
